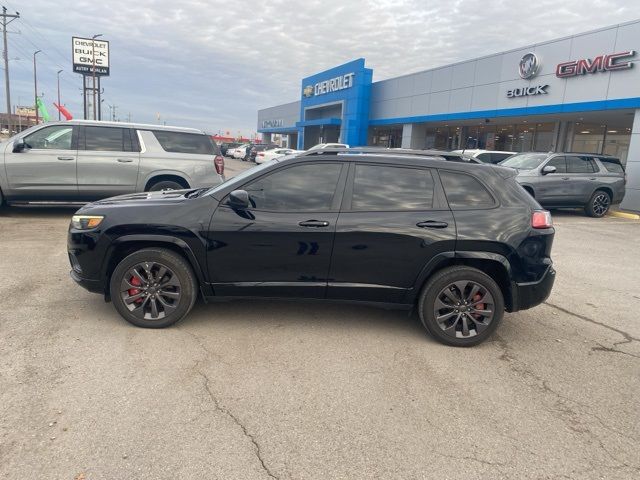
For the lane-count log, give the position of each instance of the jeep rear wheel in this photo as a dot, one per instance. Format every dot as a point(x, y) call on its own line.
point(461, 306)
point(153, 288)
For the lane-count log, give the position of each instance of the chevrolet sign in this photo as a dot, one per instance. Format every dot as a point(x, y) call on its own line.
point(328, 86)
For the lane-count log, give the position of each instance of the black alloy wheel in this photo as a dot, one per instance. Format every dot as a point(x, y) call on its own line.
point(599, 204)
point(153, 288)
point(461, 306)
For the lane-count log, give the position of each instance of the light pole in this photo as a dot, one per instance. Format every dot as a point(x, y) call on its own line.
point(35, 83)
point(59, 72)
point(93, 55)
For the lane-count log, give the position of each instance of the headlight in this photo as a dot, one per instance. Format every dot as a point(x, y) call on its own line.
point(86, 222)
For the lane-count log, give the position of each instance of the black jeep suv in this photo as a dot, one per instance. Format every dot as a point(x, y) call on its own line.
point(461, 242)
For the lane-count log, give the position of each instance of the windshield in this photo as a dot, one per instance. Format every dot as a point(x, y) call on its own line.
point(239, 179)
point(524, 161)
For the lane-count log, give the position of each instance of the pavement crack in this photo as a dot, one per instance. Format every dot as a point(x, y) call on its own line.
point(236, 420)
point(628, 338)
point(473, 459)
point(602, 348)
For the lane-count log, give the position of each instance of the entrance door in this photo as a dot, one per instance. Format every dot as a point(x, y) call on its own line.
point(46, 168)
point(281, 246)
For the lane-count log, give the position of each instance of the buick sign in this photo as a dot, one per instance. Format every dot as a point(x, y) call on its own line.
point(527, 91)
point(529, 66)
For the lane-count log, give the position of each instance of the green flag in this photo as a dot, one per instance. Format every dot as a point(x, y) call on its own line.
point(43, 110)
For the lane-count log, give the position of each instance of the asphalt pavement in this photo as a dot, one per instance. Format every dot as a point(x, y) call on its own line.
point(291, 390)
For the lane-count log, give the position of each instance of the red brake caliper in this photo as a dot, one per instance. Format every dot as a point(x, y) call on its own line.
point(479, 306)
point(134, 291)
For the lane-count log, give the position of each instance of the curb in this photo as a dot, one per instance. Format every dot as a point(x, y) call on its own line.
point(627, 215)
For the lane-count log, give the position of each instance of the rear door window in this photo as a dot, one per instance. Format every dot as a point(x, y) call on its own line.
point(386, 188)
point(106, 139)
point(576, 164)
point(464, 191)
point(182, 142)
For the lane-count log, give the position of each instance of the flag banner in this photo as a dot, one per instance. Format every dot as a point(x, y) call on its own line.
point(43, 110)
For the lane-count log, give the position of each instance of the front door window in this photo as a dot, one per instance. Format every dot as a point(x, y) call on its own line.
point(56, 137)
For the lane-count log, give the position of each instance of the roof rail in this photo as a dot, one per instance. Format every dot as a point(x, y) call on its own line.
point(452, 156)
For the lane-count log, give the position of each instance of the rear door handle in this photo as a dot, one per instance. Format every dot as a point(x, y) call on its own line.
point(66, 159)
point(565, 178)
point(314, 223)
point(432, 224)
point(125, 160)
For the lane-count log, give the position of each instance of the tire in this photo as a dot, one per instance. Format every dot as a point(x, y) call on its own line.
point(479, 327)
point(165, 185)
point(172, 303)
point(598, 205)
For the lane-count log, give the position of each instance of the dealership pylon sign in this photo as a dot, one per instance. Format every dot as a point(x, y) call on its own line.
point(89, 54)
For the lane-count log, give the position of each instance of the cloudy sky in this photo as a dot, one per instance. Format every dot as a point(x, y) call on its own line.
point(212, 64)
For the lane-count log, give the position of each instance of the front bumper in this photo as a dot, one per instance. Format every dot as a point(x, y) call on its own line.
point(530, 294)
point(94, 286)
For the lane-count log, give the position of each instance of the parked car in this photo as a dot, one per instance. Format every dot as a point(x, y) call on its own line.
point(79, 161)
point(322, 146)
point(241, 152)
point(460, 242)
point(487, 156)
point(585, 180)
point(268, 155)
point(253, 151)
point(225, 146)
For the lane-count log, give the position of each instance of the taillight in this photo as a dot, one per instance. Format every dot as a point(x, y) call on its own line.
point(218, 161)
point(541, 219)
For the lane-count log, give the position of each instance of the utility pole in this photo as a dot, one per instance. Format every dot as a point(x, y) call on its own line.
point(93, 55)
point(35, 84)
point(59, 104)
point(5, 16)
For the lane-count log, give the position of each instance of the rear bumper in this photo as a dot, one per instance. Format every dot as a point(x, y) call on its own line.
point(527, 295)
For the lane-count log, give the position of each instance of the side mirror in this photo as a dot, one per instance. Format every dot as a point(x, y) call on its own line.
point(238, 199)
point(548, 169)
point(19, 146)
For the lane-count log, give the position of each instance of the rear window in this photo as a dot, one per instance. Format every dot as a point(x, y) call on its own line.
point(464, 191)
point(612, 165)
point(181, 142)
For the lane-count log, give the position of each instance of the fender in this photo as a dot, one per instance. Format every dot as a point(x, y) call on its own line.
point(184, 246)
point(156, 173)
point(449, 257)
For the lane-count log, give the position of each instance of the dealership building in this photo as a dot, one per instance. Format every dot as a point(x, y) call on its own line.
point(579, 93)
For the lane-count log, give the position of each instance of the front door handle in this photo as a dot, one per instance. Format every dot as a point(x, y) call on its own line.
point(432, 224)
point(125, 160)
point(314, 223)
point(66, 159)
point(565, 178)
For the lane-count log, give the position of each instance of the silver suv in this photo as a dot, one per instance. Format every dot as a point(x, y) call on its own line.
point(556, 180)
point(81, 161)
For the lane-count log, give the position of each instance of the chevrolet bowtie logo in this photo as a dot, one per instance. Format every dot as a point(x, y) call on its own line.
point(308, 91)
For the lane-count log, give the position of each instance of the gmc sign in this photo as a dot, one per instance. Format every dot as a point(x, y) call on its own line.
point(601, 63)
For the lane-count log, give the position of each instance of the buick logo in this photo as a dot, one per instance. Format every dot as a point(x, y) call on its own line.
point(308, 91)
point(529, 66)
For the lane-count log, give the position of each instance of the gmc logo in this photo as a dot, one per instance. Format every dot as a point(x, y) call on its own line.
point(601, 63)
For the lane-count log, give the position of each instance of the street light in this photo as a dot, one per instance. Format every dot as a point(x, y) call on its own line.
point(59, 72)
point(93, 55)
point(35, 83)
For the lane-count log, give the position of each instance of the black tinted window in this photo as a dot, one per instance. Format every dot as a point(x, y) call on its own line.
point(377, 187)
point(104, 139)
point(296, 189)
point(464, 191)
point(180, 142)
point(498, 157)
point(580, 164)
point(484, 157)
point(559, 163)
